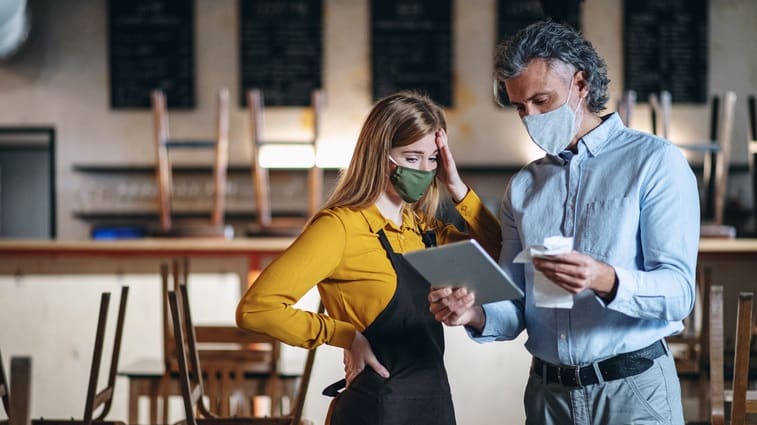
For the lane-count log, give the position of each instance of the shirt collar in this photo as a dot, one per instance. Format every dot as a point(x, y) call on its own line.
point(596, 138)
point(376, 221)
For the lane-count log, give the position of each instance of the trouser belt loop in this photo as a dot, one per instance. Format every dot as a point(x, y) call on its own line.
point(598, 372)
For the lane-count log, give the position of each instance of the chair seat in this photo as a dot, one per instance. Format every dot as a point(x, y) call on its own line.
point(281, 226)
point(197, 229)
point(248, 421)
point(717, 231)
point(43, 421)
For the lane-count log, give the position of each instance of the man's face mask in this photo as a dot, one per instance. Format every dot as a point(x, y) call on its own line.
point(552, 131)
point(410, 183)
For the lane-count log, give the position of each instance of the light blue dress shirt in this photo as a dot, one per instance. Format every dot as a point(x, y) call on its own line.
point(628, 199)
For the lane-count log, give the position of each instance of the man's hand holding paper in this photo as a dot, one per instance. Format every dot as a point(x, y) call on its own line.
point(561, 272)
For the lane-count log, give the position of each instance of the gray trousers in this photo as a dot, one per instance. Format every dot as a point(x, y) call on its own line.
point(651, 397)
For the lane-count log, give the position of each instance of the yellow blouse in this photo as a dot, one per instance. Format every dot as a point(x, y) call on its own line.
point(341, 253)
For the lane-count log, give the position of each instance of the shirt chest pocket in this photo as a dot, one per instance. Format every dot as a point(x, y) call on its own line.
point(610, 228)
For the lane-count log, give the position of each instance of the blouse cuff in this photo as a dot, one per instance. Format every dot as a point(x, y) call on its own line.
point(344, 334)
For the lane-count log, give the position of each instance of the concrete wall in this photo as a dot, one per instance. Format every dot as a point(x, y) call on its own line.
point(61, 79)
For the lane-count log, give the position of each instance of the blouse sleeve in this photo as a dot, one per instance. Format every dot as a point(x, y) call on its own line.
point(482, 225)
point(267, 306)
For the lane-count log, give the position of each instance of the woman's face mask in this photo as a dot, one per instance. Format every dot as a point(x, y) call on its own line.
point(553, 131)
point(410, 183)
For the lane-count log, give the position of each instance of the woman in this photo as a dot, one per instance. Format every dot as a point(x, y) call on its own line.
point(384, 205)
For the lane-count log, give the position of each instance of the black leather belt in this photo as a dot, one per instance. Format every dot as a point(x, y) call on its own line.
point(620, 366)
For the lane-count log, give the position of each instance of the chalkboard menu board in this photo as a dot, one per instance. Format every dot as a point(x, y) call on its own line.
point(411, 47)
point(281, 50)
point(665, 48)
point(514, 15)
point(151, 46)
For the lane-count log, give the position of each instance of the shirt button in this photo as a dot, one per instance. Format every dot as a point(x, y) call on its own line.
point(562, 336)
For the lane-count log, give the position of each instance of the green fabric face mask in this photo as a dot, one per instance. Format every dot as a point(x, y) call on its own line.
point(410, 183)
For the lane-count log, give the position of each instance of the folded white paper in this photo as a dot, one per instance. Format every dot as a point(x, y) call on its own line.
point(546, 293)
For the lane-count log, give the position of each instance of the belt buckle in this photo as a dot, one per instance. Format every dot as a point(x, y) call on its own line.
point(576, 373)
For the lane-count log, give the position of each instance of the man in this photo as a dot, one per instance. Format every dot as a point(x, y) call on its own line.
point(629, 201)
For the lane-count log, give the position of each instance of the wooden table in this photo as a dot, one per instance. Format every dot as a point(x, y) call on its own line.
point(712, 252)
point(240, 256)
point(143, 256)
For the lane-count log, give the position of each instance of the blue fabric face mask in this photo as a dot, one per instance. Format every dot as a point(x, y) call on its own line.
point(552, 131)
point(410, 183)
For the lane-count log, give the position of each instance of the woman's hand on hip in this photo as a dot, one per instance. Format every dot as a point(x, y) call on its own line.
point(358, 356)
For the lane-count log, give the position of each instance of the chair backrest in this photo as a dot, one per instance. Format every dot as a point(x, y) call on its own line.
point(716, 149)
point(626, 105)
point(104, 397)
point(752, 146)
point(740, 405)
point(186, 351)
point(164, 144)
point(4, 388)
point(171, 276)
point(260, 175)
point(191, 379)
point(15, 394)
point(717, 380)
point(660, 108)
point(723, 136)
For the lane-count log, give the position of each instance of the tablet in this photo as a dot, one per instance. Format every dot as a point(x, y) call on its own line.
point(464, 263)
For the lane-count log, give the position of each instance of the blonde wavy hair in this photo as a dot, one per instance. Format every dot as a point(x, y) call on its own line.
point(399, 119)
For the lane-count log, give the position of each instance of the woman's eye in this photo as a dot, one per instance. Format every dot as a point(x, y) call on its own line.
point(432, 158)
point(411, 159)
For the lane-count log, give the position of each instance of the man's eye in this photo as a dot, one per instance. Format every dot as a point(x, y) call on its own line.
point(540, 101)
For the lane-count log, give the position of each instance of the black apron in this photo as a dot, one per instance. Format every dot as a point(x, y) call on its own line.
point(409, 342)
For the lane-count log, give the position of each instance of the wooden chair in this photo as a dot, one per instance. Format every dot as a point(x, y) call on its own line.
point(192, 373)
point(103, 398)
point(282, 226)
point(199, 228)
point(717, 154)
point(660, 108)
point(15, 395)
point(236, 363)
point(626, 105)
point(742, 401)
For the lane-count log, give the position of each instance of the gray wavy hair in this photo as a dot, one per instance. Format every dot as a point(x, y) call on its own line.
point(555, 43)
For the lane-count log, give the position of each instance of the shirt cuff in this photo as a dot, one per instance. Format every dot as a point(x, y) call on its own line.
point(626, 290)
point(344, 334)
point(491, 331)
